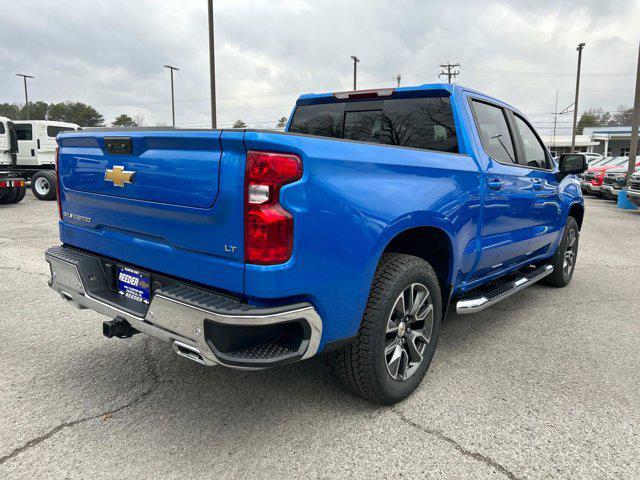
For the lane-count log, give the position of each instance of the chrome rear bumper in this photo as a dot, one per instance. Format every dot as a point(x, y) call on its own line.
point(181, 314)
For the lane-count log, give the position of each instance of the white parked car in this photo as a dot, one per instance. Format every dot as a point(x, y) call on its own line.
point(593, 157)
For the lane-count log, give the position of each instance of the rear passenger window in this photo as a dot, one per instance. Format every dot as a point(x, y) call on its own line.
point(2, 130)
point(494, 132)
point(534, 153)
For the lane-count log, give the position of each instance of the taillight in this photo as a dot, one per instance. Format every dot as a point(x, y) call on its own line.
point(268, 226)
point(58, 183)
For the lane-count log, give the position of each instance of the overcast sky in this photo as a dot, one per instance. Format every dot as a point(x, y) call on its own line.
point(110, 53)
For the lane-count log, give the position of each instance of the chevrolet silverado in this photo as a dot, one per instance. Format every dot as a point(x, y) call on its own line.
point(351, 232)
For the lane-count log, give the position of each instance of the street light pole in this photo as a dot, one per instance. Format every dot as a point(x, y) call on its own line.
point(355, 70)
point(212, 67)
point(26, 94)
point(173, 105)
point(575, 108)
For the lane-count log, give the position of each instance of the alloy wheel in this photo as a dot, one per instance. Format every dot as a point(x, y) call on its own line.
point(408, 331)
point(570, 252)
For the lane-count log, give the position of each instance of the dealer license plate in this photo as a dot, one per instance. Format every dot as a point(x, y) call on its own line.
point(133, 284)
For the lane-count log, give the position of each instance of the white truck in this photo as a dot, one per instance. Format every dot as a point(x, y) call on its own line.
point(35, 158)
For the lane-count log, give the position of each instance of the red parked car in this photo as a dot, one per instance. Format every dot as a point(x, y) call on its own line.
point(591, 181)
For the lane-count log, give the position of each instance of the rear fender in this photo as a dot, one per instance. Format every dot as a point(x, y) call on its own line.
point(411, 221)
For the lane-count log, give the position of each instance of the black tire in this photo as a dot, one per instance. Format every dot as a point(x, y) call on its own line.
point(562, 273)
point(365, 366)
point(10, 196)
point(43, 185)
point(22, 191)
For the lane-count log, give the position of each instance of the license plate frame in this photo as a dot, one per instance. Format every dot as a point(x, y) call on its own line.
point(133, 284)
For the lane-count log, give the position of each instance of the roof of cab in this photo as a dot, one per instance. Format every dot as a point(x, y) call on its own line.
point(48, 122)
point(427, 87)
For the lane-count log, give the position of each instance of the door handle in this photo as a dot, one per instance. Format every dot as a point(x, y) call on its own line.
point(537, 184)
point(495, 184)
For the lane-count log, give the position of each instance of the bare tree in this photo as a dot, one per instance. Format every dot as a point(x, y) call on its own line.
point(139, 118)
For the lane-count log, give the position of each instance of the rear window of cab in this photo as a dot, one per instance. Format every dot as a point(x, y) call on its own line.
point(425, 123)
point(54, 130)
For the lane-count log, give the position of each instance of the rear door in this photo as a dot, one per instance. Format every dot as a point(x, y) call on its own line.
point(508, 198)
point(27, 149)
point(546, 215)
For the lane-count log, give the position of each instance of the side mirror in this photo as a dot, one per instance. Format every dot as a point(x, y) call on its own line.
point(572, 164)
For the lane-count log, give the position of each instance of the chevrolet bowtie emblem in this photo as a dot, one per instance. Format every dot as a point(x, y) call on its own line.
point(118, 175)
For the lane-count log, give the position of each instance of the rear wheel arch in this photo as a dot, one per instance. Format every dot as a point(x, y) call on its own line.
point(433, 245)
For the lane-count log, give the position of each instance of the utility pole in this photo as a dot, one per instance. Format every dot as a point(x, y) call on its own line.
point(173, 105)
point(212, 68)
point(356, 60)
point(555, 121)
point(399, 78)
point(635, 125)
point(556, 113)
point(450, 73)
point(575, 107)
point(26, 94)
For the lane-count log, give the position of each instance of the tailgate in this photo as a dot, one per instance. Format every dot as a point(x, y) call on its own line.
point(178, 168)
point(154, 199)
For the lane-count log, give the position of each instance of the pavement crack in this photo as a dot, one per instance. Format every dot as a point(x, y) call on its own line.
point(464, 451)
point(19, 269)
point(152, 368)
point(38, 440)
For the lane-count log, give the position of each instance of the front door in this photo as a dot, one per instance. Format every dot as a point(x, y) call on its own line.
point(508, 192)
point(547, 221)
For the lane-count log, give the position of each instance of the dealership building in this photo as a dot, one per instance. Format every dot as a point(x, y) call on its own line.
point(608, 141)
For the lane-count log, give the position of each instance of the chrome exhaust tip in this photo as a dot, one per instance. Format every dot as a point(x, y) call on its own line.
point(187, 351)
point(66, 296)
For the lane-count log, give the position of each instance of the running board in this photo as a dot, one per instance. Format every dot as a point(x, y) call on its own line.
point(488, 298)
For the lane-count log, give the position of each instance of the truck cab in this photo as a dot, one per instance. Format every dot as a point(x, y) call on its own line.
point(35, 156)
point(37, 141)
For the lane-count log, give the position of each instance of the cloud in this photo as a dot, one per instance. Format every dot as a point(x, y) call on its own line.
point(110, 54)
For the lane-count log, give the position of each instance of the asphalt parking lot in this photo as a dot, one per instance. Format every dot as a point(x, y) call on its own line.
point(544, 385)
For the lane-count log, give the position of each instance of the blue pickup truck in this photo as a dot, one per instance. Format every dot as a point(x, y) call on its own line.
point(352, 232)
